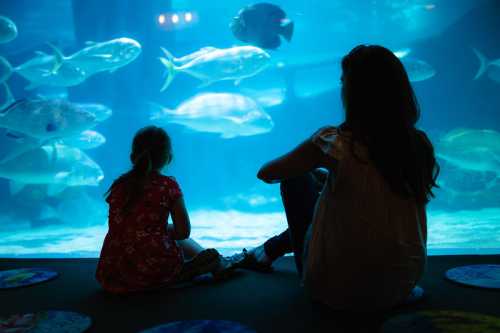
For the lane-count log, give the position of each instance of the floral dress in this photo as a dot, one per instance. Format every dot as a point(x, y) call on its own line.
point(138, 253)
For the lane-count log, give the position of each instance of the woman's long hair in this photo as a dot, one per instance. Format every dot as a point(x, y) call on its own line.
point(381, 113)
point(151, 151)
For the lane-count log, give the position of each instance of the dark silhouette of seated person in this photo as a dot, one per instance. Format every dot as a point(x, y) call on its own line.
point(359, 242)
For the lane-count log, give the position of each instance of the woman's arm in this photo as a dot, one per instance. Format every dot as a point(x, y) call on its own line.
point(182, 225)
point(304, 158)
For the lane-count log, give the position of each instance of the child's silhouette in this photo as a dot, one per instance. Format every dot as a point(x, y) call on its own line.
point(140, 251)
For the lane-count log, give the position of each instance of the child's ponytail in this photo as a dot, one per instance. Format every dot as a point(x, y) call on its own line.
point(151, 151)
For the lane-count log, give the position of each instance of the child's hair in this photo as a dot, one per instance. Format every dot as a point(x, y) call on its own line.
point(381, 111)
point(151, 151)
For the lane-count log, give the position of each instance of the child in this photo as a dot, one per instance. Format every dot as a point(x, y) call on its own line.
point(360, 244)
point(140, 251)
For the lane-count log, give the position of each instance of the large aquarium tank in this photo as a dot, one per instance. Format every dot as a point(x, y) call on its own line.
point(80, 77)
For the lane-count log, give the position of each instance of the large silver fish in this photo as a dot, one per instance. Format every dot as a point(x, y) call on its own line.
point(468, 149)
point(86, 140)
point(55, 165)
point(46, 119)
point(101, 57)
point(234, 63)
point(40, 72)
point(66, 71)
point(490, 67)
point(100, 111)
point(229, 115)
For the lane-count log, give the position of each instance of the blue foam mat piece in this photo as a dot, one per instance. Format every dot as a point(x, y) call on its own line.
point(480, 276)
point(22, 277)
point(201, 326)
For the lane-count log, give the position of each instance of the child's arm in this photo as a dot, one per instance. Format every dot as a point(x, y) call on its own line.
point(182, 225)
point(304, 158)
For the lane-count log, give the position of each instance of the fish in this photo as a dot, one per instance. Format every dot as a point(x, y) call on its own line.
point(476, 150)
point(261, 25)
point(417, 69)
point(235, 63)
point(86, 140)
point(67, 71)
point(229, 115)
point(55, 165)
point(102, 57)
point(8, 30)
point(14, 144)
point(189, 57)
point(490, 67)
point(46, 119)
point(101, 112)
point(39, 71)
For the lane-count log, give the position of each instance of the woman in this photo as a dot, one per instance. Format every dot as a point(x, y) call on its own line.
point(360, 243)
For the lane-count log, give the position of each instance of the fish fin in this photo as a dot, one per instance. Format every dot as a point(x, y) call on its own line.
point(16, 187)
point(32, 85)
point(59, 58)
point(9, 98)
point(170, 72)
point(483, 63)
point(9, 69)
point(15, 135)
point(167, 54)
point(157, 112)
point(286, 29)
point(400, 54)
point(56, 189)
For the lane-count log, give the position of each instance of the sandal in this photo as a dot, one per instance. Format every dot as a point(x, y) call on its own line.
point(247, 260)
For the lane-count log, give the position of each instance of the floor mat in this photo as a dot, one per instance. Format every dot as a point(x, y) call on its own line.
point(15, 278)
point(46, 322)
point(481, 276)
point(443, 321)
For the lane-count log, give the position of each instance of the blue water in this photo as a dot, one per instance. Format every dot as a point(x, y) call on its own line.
point(229, 207)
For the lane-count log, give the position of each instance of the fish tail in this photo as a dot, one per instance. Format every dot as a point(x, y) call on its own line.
point(59, 58)
point(483, 63)
point(287, 30)
point(157, 112)
point(170, 72)
point(8, 68)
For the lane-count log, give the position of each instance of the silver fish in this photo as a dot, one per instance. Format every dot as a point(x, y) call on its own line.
point(471, 149)
point(229, 115)
point(55, 165)
point(234, 63)
point(490, 67)
point(86, 140)
point(46, 119)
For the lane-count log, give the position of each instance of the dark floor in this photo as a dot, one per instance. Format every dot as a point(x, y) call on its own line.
point(264, 302)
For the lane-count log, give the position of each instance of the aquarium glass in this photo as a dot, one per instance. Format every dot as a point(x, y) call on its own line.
point(129, 63)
